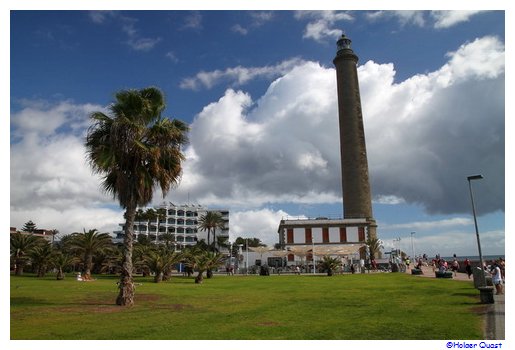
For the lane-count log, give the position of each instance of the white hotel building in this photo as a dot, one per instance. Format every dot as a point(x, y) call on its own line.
point(182, 221)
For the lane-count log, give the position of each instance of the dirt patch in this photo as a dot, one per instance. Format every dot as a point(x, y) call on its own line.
point(267, 324)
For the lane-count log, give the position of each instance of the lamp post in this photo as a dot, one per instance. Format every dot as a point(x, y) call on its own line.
point(240, 253)
point(469, 179)
point(397, 247)
point(247, 256)
point(412, 247)
point(230, 255)
point(313, 255)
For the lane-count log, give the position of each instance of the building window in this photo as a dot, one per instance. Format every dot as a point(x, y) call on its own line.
point(309, 235)
point(289, 235)
point(325, 234)
point(291, 257)
point(361, 234)
point(343, 235)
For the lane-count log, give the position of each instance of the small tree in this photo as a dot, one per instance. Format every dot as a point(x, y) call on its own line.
point(329, 264)
point(203, 261)
point(21, 246)
point(61, 261)
point(41, 256)
point(160, 261)
point(88, 244)
point(29, 227)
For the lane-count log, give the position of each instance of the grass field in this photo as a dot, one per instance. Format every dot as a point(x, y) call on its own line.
point(344, 307)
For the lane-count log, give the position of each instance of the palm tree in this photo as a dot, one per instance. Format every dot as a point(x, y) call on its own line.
point(167, 238)
point(210, 222)
point(160, 261)
point(374, 247)
point(136, 150)
point(160, 215)
point(21, 246)
point(329, 264)
point(54, 233)
point(41, 257)
point(203, 261)
point(150, 215)
point(139, 217)
point(140, 251)
point(88, 244)
point(62, 261)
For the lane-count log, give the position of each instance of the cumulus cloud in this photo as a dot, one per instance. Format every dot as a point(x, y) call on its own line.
point(50, 182)
point(424, 136)
point(262, 223)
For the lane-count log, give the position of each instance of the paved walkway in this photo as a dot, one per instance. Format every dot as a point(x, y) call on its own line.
point(494, 314)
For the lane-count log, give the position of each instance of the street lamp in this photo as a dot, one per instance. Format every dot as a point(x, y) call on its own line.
point(469, 179)
point(240, 253)
point(397, 246)
point(412, 247)
point(247, 256)
point(230, 259)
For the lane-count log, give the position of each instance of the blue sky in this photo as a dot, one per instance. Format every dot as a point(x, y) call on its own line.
point(258, 89)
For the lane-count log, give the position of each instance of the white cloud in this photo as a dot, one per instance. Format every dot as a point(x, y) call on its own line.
point(429, 225)
point(237, 75)
point(436, 19)
point(128, 26)
point(237, 28)
point(321, 23)
point(172, 56)
point(262, 223)
point(258, 19)
point(446, 19)
point(405, 17)
point(50, 181)
point(422, 135)
point(193, 21)
point(452, 242)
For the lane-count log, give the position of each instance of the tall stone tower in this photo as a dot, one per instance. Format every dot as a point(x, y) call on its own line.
point(357, 200)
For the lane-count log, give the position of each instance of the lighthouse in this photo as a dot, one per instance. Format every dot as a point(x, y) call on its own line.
point(357, 199)
point(347, 236)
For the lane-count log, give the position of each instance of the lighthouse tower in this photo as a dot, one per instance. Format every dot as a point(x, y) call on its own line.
point(357, 200)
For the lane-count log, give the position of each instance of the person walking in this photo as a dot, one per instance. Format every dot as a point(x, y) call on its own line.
point(468, 267)
point(497, 278)
point(455, 266)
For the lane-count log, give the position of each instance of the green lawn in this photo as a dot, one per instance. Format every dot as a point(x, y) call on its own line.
point(361, 306)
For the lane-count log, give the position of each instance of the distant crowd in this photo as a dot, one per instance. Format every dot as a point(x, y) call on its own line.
point(495, 268)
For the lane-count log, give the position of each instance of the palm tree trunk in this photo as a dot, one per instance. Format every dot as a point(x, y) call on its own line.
point(60, 274)
point(200, 278)
point(19, 267)
point(89, 264)
point(159, 277)
point(126, 286)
